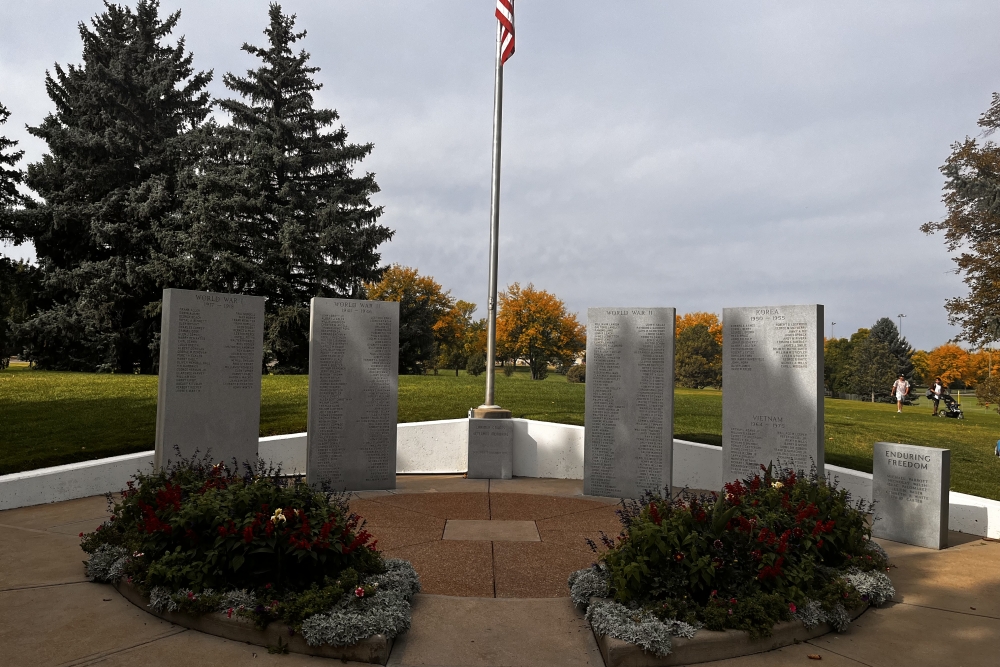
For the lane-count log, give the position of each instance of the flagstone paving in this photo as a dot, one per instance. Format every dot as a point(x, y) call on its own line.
point(484, 602)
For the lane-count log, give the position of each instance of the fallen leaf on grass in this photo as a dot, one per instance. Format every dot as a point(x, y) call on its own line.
point(814, 656)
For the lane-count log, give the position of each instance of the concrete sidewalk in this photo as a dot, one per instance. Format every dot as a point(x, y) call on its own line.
point(509, 610)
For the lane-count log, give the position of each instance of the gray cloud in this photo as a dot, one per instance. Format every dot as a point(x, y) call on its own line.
point(698, 155)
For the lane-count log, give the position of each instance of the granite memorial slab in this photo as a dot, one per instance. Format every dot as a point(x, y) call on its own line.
point(353, 393)
point(491, 449)
point(772, 396)
point(911, 487)
point(628, 442)
point(208, 389)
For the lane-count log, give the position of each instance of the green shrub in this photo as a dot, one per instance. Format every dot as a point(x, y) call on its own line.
point(476, 365)
point(577, 373)
point(745, 560)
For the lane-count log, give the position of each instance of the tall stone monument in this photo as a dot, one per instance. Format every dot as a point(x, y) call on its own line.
point(208, 396)
point(772, 389)
point(491, 449)
point(628, 442)
point(353, 392)
point(911, 487)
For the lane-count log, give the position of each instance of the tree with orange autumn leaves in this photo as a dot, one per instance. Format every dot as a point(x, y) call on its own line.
point(710, 320)
point(533, 326)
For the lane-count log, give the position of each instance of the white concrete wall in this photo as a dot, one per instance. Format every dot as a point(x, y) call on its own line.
point(544, 449)
point(75, 480)
point(541, 449)
point(433, 447)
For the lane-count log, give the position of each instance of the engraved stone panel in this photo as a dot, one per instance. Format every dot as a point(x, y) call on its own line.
point(209, 380)
point(628, 442)
point(910, 487)
point(353, 392)
point(491, 448)
point(772, 388)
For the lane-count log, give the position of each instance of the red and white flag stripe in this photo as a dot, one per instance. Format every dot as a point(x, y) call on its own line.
point(505, 15)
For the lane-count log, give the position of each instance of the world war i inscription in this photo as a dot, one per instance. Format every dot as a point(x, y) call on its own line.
point(353, 393)
point(772, 399)
point(628, 442)
point(208, 398)
point(911, 489)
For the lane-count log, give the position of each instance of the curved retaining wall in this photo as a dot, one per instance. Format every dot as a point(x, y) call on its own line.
point(541, 449)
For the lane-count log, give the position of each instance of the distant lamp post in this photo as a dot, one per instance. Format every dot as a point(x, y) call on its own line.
point(833, 330)
point(901, 316)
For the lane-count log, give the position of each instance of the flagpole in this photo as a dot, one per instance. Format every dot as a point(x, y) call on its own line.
point(489, 409)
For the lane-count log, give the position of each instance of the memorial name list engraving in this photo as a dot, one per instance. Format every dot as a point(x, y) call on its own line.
point(353, 392)
point(772, 396)
point(911, 488)
point(209, 379)
point(628, 441)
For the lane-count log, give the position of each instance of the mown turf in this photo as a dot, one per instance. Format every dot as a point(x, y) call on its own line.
point(49, 418)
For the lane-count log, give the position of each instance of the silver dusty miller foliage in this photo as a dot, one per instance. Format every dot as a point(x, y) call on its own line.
point(636, 626)
point(387, 612)
point(589, 583)
point(351, 619)
point(107, 563)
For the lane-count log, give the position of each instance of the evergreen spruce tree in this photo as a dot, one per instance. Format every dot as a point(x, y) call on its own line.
point(10, 178)
point(286, 193)
point(110, 190)
point(15, 277)
point(885, 332)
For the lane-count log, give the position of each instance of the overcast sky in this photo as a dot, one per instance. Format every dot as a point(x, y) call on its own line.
point(699, 155)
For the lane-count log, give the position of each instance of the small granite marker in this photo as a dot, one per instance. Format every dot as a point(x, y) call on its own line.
point(353, 393)
point(911, 487)
point(772, 397)
point(491, 448)
point(208, 396)
point(628, 442)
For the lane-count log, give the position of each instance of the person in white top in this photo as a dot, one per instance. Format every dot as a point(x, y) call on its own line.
point(900, 388)
point(937, 389)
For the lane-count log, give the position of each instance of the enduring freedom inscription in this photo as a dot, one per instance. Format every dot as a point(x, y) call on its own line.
point(772, 396)
point(628, 442)
point(491, 449)
point(353, 392)
point(208, 390)
point(911, 487)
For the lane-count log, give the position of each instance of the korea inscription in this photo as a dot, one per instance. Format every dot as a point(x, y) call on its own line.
point(911, 488)
point(208, 397)
point(772, 396)
point(491, 448)
point(353, 392)
point(628, 441)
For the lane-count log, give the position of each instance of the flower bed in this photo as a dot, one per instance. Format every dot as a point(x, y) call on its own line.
point(262, 550)
point(774, 548)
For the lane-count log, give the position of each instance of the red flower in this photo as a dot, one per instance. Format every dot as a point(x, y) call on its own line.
point(248, 534)
point(654, 514)
point(791, 607)
point(359, 591)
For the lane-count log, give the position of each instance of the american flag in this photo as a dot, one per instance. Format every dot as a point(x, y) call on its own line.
point(505, 15)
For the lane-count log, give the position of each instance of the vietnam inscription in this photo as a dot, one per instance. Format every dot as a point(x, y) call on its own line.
point(628, 441)
point(772, 398)
point(353, 389)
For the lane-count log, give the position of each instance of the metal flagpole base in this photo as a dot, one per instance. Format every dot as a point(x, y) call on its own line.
point(490, 412)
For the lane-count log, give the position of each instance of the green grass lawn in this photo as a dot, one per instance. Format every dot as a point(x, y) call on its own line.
point(49, 418)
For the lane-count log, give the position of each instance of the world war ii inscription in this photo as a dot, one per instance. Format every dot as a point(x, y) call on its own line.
point(628, 442)
point(491, 448)
point(772, 399)
point(353, 393)
point(208, 397)
point(911, 489)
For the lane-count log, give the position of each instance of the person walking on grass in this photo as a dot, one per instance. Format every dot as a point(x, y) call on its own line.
point(900, 388)
point(936, 390)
